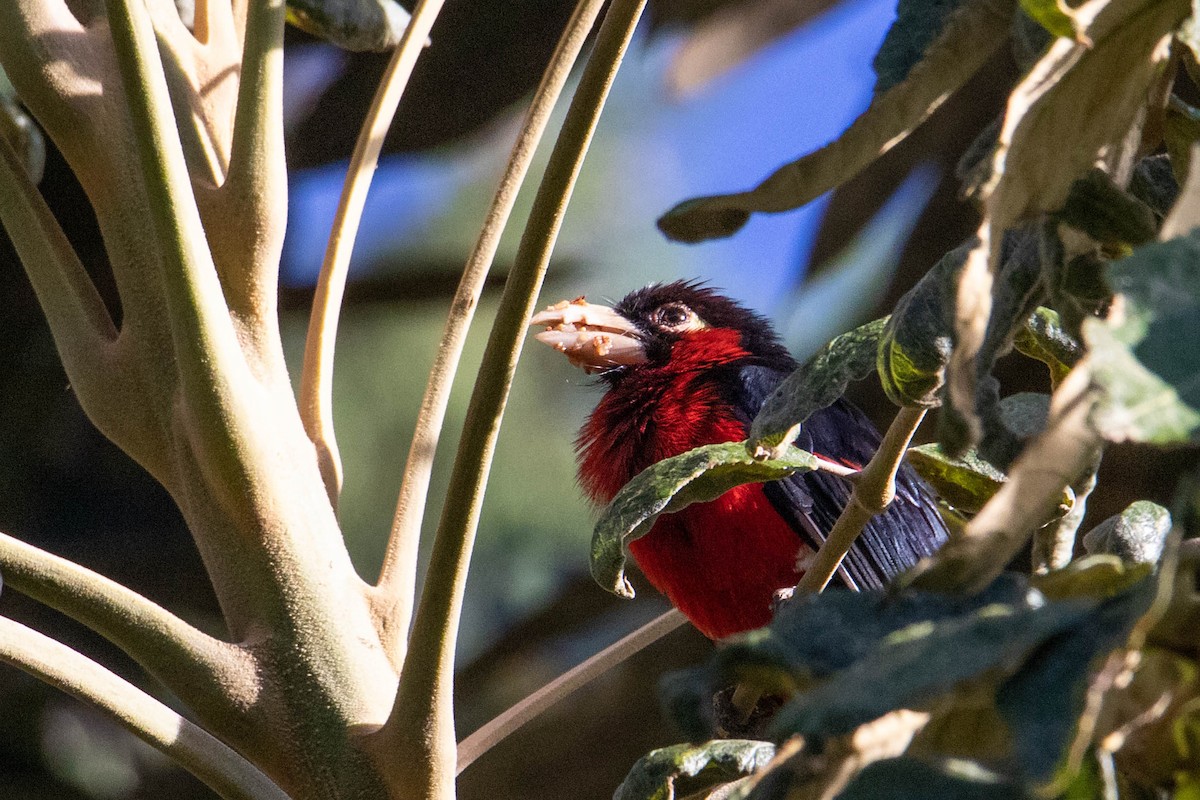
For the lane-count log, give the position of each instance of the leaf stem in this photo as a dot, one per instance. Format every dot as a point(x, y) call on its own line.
point(219, 767)
point(512, 720)
point(874, 490)
point(397, 581)
point(419, 734)
point(316, 379)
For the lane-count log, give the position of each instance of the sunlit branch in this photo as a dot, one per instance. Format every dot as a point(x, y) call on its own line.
point(397, 581)
point(219, 767)
point(190, 663)
point(512, 720)
point(874, 490)
point(420, 729)
point(316, 380)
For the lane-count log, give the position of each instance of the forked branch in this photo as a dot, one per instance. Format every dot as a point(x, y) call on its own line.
point(202, 671)
point(316, 379)
point(222, 769)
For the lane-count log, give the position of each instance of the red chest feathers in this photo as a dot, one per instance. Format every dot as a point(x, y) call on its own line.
point(718, 562)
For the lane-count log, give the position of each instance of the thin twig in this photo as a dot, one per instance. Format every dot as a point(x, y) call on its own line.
point(199, 669)
point(512, 720)
point(219, 767)
point(316, 380)
point(419, 733)
point(397, 580)
point(873, 492)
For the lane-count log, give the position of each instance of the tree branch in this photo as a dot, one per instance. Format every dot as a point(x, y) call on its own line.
point(397, 580)
point(316, 379)
point(219, 767)
point(512, 720)
point(874, 490)
point(206, 673)
point(419, 733)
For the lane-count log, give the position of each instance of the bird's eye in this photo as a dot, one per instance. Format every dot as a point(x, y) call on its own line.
point(676, 317)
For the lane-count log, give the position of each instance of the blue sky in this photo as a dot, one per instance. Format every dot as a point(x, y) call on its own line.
point(651, 151)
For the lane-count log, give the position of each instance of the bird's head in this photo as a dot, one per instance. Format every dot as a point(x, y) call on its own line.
point(657, 325)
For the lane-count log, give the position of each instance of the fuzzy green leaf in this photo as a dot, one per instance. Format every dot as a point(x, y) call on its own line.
point(821, 380)
point(1106, 212)
point(918, 23)
point(685, 769)
point(917, 339)
point(1135, 535)
point(966, 482)
point(696, 476)
point(1044, 338)
point(964, 45)
point(374, 25)
point(1142, 356)
point(918, 663)
point(21, 132)
point(1042, 702)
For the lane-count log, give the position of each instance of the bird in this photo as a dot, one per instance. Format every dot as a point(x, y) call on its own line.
point(684, 366)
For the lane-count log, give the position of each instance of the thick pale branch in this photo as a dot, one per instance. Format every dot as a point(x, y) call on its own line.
point(203, 671)
point(512, 720)
point(419, 734)
point(219, 767)
point(874, 490)
point(218, 390)
point(1053, 461)
point(397, 581)
point(316, 380)
point(83, 330)
point(44, 50)
point(253, 200)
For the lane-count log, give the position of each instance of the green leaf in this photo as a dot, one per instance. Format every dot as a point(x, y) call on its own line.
point(821, 380)
point(1107, 213)
point(1135, 535)
point(1042, 702)
point(966, 482)
point(1142, 356)
point(917, 339)
point(965, 44)
point(917, 25)
point(374, 25)
point(918, 663)
point(685, 769)
point(696, 476)
point(1051, 15)
point(1044, 338)
point(907, 778)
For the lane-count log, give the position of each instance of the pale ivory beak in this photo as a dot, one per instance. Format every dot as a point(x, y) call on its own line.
point(592, 337)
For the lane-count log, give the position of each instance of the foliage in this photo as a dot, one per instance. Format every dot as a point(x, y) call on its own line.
point(978, 682)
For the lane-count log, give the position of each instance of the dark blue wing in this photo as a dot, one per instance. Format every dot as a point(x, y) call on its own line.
point(892, 542)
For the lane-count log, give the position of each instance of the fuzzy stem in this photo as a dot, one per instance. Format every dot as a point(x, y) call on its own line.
point(420, 731)
point(316, 380)
point(216, 386)
point(397, 580)
point(223, 770)
point(190, 663)
point(874, 490)
point(512, 720)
